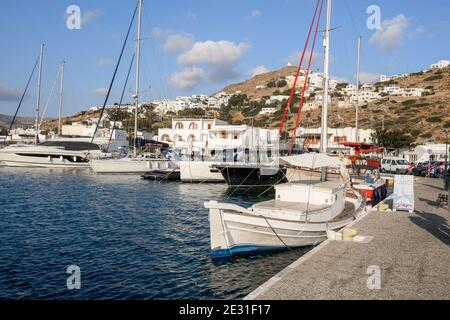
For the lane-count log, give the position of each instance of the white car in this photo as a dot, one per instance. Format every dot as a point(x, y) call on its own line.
point(394, 165)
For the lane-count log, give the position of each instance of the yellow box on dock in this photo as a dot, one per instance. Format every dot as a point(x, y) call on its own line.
point(348, 234)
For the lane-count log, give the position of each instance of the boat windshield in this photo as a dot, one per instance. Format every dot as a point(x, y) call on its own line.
point(71, 145)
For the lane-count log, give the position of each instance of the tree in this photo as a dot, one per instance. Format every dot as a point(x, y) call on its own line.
point(3, 132)
point(395, 139)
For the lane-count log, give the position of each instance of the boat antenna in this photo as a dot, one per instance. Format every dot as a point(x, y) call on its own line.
point(114, 76)
point(21, 98)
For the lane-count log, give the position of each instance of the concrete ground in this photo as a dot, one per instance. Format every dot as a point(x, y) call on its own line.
point(412, 251)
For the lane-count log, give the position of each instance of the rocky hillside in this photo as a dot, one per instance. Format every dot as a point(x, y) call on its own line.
point(5, 121)
point(424, 118)
point(268, 80)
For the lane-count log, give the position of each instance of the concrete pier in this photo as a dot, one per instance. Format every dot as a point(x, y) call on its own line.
point(410, 250)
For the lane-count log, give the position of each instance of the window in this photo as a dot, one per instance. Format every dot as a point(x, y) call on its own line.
point(179, 125)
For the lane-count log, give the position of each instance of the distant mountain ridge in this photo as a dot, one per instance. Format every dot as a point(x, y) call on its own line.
point(5, 121)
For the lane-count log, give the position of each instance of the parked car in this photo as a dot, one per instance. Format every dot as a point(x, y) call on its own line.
point(430, 168)
point(394, 165)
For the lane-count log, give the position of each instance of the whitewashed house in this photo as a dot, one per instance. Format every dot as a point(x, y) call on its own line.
point(440, 64)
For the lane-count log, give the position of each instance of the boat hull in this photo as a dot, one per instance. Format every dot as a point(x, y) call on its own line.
point(248, 176)
point(129, 166)
point(199, 171)
point(16, 160)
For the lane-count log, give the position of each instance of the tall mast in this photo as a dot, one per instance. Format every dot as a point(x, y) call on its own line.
point(357, 91)
point(326, 44)
point(38, 94)
point(138, 61)
point(61, 97)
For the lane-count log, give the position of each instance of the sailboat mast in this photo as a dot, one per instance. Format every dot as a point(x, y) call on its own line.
point(38, 94)
point(61, 97)
point(357, 91)
point(138, 61)
point(326, 44)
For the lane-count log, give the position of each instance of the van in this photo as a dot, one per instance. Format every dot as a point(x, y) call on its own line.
point(394, 165)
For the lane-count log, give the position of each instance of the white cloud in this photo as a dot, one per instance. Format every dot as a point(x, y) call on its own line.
point(178, 42)
point(9, 94)
point(259, 70)
point(219, 58)
point(99, 92)
point(89, 15)
point(391, 34)
point(255, 13)
point(213, 53)
point(366, 77)
point(102, 62)
point(188, 78)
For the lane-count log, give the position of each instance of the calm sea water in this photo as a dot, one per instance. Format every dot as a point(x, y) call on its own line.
point(132, 239)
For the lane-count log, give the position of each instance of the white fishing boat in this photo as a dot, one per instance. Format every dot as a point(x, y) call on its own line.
point(300, 215)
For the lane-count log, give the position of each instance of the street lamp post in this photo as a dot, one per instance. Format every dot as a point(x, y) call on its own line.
point(446, 171)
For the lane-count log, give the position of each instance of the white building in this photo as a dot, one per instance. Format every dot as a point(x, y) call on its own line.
point(279, 98)
point(440, 64)
point(365, 96)
point(425, 152)
point(310, 137)
point(203, 136)
point(268, 111)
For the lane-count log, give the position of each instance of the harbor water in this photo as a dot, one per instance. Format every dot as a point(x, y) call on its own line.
point(131, 238)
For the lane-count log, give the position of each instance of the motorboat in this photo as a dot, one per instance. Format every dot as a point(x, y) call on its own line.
point(301, 214)
point(69, 153)
point(162, 175)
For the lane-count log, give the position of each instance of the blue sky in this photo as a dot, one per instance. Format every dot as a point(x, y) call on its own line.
point(199, 46)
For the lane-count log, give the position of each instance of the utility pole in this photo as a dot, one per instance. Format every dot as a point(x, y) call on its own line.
point(357, 91)
point(38, 94)
point(61, 97)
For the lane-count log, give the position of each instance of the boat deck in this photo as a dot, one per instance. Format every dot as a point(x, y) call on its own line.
point(294, 207)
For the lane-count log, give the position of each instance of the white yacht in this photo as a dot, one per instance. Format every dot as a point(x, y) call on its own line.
point(301, 214)
point(51, 154)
